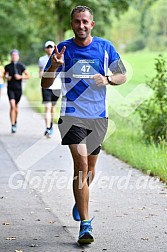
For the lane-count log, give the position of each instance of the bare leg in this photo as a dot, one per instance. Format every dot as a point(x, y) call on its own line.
point(13, 111)
point(92, 159)
point(48, 115)
point(83, 164)
point(80, 188)
point(52, 113)
point(16, 112)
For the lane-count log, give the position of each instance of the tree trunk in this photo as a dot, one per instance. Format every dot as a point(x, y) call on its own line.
point(58, 11)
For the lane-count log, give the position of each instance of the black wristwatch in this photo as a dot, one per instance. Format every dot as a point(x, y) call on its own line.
point(109, 79)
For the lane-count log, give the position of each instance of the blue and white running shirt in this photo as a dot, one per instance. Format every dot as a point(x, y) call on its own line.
point(81, 97)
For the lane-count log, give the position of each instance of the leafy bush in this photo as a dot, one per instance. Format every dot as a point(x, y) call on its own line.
point(153, 112)
point(135, 45)
point(157, 43)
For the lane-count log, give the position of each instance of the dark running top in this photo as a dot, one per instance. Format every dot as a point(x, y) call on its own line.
point(12, 69)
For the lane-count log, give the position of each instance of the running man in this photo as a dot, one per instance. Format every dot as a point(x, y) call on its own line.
point(49, 96)
point(15, 72)
point(84, 61)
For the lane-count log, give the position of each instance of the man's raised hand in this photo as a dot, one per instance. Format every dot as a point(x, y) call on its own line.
point(57, 57)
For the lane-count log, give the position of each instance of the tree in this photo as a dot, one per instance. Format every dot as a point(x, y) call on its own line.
point(102, 10)
point(125, 29)
point(131, 31)
point(27, 24)
point(15, 32)
point(143, 6)
point(156, 25)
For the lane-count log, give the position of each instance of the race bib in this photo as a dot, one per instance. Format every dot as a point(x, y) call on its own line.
point(85, 68)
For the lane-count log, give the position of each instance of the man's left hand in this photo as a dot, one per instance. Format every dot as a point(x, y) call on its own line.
point(100, 80)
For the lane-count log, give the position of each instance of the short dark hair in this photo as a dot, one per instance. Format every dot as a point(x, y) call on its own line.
point(14, 51)
point(80, 9)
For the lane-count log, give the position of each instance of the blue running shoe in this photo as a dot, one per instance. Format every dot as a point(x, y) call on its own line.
point(14, 128)
point(75, 213)
point(48, 133)
point(51, 130)
point(85, 234)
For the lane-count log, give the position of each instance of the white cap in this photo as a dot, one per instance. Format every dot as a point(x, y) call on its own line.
point(49, 43)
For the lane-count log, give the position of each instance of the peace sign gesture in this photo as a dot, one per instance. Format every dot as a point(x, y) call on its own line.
point(57, 57)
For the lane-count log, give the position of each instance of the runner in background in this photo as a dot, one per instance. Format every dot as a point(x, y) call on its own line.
point(15, 72)
point(49, 96)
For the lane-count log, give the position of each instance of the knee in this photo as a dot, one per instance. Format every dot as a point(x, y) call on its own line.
point(13, 106)
point(48, 108)
point(80, 166)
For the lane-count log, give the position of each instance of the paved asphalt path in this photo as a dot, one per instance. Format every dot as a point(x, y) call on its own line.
point(36, 198)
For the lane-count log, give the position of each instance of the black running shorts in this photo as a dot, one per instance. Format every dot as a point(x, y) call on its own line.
point(14, 94)
point(76, 130)
point(49, 95)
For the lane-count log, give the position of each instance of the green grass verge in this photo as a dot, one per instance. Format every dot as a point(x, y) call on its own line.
point(126, 142)
point(32, 89)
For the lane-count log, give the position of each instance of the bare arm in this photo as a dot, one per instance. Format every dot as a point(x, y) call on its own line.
point(7, 76)
point(117, 79)
point(48, 77)
point(40, 72)
point(56, 61)
point(25, 76)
